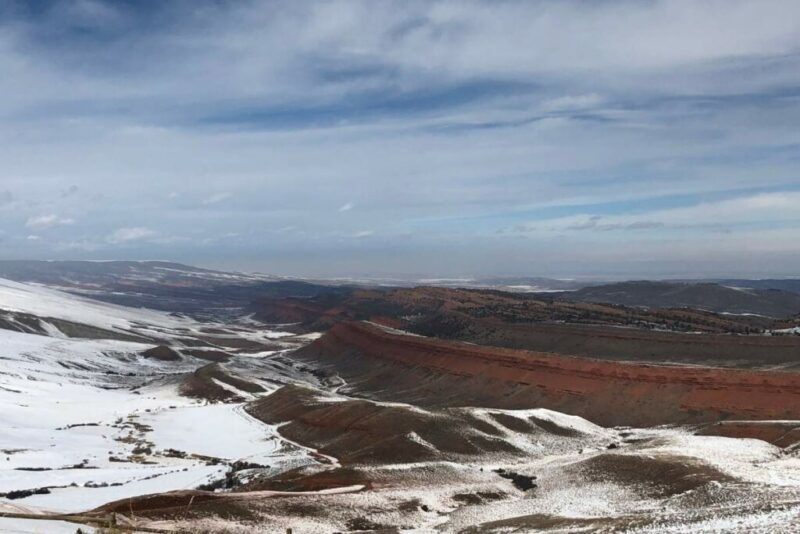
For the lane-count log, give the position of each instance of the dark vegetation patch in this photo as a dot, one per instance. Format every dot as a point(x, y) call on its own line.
point(414, 505)
point(364, 523)
point(479, 497)
point(210, 355)
point(162, 353)
point(21, 494)
point(704, 296)
point(522, 482)
point(77, 425)
point(231, 480)
point(83, 465)
point(12, 451)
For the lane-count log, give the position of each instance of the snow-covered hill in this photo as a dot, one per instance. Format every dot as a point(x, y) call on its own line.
point(46, 303)
point(87, 421)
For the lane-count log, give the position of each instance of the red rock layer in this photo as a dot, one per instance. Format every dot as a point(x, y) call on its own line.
point(780, 433)
point(433, 372)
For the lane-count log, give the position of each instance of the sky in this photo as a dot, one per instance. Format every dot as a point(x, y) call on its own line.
point(374, 138)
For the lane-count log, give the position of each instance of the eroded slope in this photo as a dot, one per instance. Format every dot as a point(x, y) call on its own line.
point(433, 372)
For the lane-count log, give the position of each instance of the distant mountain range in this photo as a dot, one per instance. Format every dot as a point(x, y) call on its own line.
point(176, 287)
point(742, 298)
point(784, 284)
point(158, 285)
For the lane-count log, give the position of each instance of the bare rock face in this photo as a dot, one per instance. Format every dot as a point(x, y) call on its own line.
point(162, 353)
point(432, 372)
point(779, 433)
point(358, 431)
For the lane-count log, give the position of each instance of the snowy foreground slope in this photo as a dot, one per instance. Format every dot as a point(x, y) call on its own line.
point(65, 422)
point(88, 421)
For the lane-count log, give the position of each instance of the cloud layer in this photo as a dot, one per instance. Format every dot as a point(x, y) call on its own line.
point(559, 138)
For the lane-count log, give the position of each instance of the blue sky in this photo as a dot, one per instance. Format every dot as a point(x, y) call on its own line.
point(617, 139)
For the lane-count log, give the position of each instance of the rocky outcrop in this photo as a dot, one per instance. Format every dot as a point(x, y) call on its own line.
point(433, 372)
point(357, 431)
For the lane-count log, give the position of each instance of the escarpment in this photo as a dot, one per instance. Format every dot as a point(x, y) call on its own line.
point(432, 372)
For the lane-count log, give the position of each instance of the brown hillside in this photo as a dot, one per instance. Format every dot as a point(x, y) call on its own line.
point(433, 372)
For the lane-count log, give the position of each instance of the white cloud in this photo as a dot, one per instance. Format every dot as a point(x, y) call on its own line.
point(125, 235)
point(43, 222)
point(577, 102)
point(488, 110)
point(216, 199)
point(760, 208)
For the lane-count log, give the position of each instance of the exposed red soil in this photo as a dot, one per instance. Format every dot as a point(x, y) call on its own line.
point(434, 372)
point(536, 323)
point(779, 433)
point(198, 503)
point(312, 478)
point(294, 310)
point(201, 385)
point(365, 432)
point(156, 501)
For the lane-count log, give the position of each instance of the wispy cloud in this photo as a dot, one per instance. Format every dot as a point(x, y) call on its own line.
point(43, 222)
point(126, 235)
point(444, 121)
point(746, 211)
point(216, 199)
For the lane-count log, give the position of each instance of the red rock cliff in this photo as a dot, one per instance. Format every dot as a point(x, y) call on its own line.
point(395, 366)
